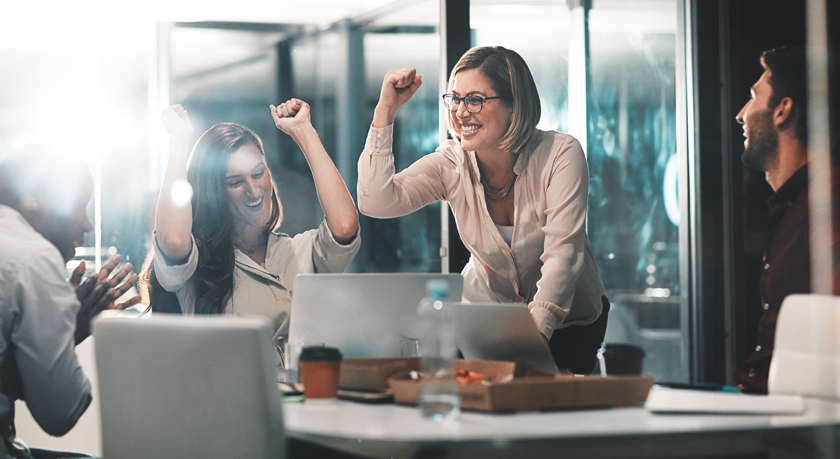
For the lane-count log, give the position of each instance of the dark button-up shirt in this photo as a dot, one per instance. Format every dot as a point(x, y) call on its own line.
point(786, 270)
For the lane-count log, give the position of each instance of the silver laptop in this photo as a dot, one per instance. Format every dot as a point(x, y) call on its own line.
point(363, 315)
point(503, 331)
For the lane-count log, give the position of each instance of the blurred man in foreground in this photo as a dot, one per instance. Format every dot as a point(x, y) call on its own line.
point(776, 130)
point(43, 218)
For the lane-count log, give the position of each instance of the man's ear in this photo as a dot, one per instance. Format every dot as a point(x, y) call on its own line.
point(784, 112)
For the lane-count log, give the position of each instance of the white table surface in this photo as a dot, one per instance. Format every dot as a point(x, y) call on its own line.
point(399, 431)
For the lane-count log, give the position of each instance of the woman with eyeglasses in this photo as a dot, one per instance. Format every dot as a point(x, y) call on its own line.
point(519, 197)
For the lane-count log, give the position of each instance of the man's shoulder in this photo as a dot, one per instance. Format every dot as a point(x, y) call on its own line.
point(20, 244)
point(25, 251)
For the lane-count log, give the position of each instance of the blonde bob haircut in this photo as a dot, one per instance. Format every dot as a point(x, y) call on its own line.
point(513, 83)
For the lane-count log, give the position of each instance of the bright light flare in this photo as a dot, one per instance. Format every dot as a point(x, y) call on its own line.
point(181, 193)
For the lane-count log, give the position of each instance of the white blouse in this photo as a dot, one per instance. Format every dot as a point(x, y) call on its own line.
point(264, 291)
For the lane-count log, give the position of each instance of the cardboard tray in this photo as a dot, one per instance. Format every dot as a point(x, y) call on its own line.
point(531, 390)
point(372, 374)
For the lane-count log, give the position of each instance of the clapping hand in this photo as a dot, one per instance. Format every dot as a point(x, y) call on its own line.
point(100, 291)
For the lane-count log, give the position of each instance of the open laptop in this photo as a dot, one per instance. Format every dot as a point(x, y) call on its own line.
point(503, 331)
point(363, 315)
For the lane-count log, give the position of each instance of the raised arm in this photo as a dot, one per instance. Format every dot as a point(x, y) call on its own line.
point(397, 88)
point(292, 117)
point(381, 193)
point(173, 217)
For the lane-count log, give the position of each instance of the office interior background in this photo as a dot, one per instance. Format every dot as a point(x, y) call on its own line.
point(650, 87)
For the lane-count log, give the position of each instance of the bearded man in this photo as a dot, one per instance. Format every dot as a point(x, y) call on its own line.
point(776, 131)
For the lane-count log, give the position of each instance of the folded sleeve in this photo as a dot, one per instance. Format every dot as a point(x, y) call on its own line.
point(327, 254)
point(55, 388)
point(565, 236)
point(382, 193)
point(173, 276)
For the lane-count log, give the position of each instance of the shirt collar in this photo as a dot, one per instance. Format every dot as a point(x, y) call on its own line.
point(793, 187)
point(525, 152)
point(247, 264)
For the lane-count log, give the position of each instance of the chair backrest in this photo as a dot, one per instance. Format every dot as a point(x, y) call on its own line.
point(806, 354)
point(178, 387)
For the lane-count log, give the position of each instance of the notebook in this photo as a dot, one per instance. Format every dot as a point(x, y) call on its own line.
point(363, 315)
point(667, 400)
point(503, 331)
point(806, 360)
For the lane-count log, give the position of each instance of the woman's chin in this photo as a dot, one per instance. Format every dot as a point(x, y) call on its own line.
point(262, 222)
point(469, 143)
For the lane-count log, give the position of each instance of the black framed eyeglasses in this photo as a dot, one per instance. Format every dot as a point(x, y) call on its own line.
point(474, 103)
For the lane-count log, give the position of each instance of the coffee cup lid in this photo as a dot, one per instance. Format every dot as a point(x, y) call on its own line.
point(318, 354)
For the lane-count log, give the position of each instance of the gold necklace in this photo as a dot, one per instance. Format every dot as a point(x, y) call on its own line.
point(497, 193)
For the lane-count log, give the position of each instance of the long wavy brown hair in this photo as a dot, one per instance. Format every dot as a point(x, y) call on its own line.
point(212, 222)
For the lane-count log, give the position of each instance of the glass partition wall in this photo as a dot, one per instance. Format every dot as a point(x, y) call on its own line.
point(634, 167)
point(606, 72)
point(340, 71)
point(629, 75)
point(405, 38)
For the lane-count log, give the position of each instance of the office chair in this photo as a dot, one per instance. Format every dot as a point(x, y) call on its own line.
point(806, 355)
point(197, 387)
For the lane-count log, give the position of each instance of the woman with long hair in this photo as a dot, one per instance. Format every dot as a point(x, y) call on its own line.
point(220, 252)
point(519, 197)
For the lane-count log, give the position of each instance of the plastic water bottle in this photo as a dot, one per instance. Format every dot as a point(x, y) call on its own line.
point(439, 398)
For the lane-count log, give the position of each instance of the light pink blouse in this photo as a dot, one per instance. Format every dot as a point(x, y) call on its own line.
point(548, 264)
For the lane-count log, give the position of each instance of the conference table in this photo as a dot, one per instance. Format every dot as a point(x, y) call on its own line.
point(396, 431)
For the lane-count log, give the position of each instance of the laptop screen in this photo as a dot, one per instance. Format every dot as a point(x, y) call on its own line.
point(363, 315)
point(503, 331)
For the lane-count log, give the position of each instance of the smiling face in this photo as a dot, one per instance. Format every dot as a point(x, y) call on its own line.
point(761, 143)
point(248, 187)
point(483, 131)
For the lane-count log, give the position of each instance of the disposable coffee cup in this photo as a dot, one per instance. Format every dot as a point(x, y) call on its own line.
point(319, 367)
point(620, 359)
point(291, 354)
